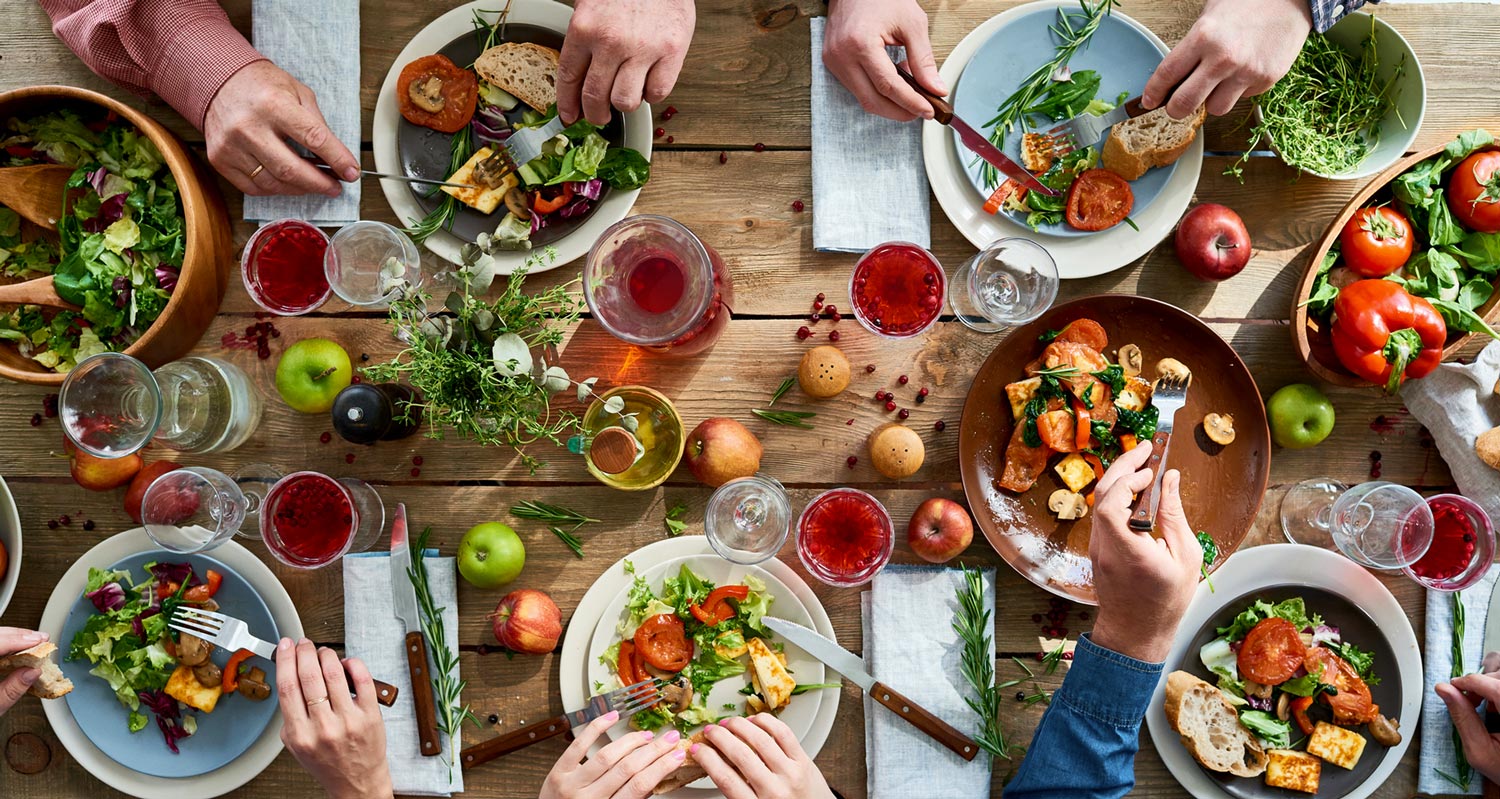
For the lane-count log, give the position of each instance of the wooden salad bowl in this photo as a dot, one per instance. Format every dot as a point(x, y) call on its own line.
point(210, 242)
point(1310, 336)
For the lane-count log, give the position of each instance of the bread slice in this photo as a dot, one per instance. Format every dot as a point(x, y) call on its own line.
point(1210, 728)
point(687, 773)
point(526, 70)
point(52, 684)
point(1150, 140)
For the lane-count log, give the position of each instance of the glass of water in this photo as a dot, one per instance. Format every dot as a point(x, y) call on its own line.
point(195, 509)
point(1011, 282)
point(1378, 524)
point(747, 520)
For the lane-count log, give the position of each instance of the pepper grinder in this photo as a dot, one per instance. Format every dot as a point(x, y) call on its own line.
point(365, 413)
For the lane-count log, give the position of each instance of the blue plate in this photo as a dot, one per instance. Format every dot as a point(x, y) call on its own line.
point(222, 736)
point(1123, 55)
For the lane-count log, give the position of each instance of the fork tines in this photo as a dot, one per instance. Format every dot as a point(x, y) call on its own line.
point(203, 623)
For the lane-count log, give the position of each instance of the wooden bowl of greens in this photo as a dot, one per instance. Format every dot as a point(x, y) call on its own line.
point(142, 254)
point(1453, 267)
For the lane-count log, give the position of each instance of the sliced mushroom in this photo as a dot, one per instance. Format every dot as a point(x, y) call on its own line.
point(491, 171)
point(1130, 359)
point(515, 201)
point(1284, 706)
point(1173, 368)
point(208, 674)
point(253, 685)
point(192, 650)
point(427, 93)
point(1255, 689)
point(678, 694)
point(1068, 505)
point(1384, 731)
point(1220, 428)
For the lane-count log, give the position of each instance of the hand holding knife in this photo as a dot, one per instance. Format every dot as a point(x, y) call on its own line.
point(417, 661)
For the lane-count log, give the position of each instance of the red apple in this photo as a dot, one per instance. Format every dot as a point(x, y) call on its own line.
point(1212, 242)
point(939, 530)
point(142, 481)
point(720, 450)
point(101, 474)
point(527, 621)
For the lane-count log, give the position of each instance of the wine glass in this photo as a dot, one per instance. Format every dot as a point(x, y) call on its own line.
point(1011, 282)
point(747, 519)
point(1377, 524)
point(195, 509)
point(311, 520)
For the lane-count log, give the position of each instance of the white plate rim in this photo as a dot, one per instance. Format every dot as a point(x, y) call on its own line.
point(434, 37)
point(1271, 565)
point(1076, 256)
point(214, 783)
point(10, 520)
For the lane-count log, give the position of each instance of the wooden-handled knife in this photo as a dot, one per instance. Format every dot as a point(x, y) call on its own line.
point(417, 661)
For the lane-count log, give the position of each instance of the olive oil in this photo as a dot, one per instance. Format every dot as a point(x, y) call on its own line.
point(658, 433)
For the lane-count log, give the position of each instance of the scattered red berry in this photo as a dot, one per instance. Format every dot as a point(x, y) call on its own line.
point(820, 297)
point(903, 380)
point(890, 405)
point(416, 460)
point(49, 406)
point(723, 157)
point(36, 420)
point(833, 335)
point(852, 461)
point(797, 206)
point(837, 317)
point(88, 524)
point(850, 423)
point(672, 109)
point(416, 472)
point(671, 139)
point(813, 318)
point(904, 414)
point(881, 396)
point(939, 425)
point(1040, 656)
point(922, 392)
point(831, 310)
point(817, 306)
point(803, 333)
point(760, 148)
point(349, 458)
point(1067, 656)
point(660, 132)
point(356, 380)
point(325, 438)
point(51, 524)
point(65, 520)
point(870, 369)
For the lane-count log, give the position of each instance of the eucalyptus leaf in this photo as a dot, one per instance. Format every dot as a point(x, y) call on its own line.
point(614, 404)
point(454, 302)
point(468, 253)
point(585, 387)
point(484, 319)
point(555, 379)
point(511, 355)
point(630, 422)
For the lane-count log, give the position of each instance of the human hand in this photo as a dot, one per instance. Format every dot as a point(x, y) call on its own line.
point(854, 45)
point(1229, 53)
point(339, 740)
point(1144, 583)
point(625, 769)
point(618, 51)
point(247, 124)
point(759, 758)
point(1462, 695)
point(13, 640)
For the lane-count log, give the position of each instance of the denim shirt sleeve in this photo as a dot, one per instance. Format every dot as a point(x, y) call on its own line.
point(1085, 745)
point(1327, 12)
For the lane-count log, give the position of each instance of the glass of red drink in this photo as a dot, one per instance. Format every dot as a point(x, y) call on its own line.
point(844, 537)
point(282, 266)
point(897, 289)
point(309, 520)
point(1463, 545)
point(651, 282)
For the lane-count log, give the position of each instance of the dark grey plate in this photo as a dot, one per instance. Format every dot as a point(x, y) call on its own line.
point(425, 152)
point(1354, 626)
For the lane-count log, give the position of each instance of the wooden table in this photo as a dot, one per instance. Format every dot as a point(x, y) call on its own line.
point(745, 84)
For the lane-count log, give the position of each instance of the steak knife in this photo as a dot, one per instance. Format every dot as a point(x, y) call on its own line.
point(417, 660)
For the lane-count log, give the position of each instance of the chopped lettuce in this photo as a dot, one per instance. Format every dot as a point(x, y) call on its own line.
point(1293, 610)
point(1274, 731)
point(710, 667)
point(1220, 658)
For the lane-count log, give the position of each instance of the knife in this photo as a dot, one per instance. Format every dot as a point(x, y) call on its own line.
point(848, 664)
point(405, 597)
point(1491, 644)
point(943, 114)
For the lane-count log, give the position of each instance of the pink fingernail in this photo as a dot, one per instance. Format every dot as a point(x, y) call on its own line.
point(693, 749)
point(672, 737)
point(648, 735)
point(284, 644)
point(679, 755)
point(612, 716)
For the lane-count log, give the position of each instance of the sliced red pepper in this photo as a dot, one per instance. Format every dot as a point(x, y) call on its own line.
point(997, 200)
point(714, 609)
point(164, 590)
point(231, 678)
point(1096, 464)
point(204, 592)
point(544, 206)
point(1085, 430)
point(20, 151)
point(1299, 708)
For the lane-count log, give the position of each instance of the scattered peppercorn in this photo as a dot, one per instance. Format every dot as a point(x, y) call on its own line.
point(921, 398)
point(494, 719)
point(1020, 696)
point(364, 356)
point(36, 420)
point(870, 369)
point(51, 524)
point(797, 206)
point(325, 438)
point(88, 524)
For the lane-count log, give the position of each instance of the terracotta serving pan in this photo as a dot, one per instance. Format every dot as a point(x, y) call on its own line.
point(1310, 335)
point(210, 245)
point(1221, 486)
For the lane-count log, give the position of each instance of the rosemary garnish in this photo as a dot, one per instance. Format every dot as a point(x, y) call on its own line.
point(781, 390)
point(787, 418)
point(447, 688)
point(460, 148)
point(977, 663)
point(1465, 772)
point(558, 516)
point(569, 539)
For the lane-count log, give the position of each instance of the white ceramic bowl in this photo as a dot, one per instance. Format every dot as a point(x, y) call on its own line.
point(1411, 100)
point(10, 537)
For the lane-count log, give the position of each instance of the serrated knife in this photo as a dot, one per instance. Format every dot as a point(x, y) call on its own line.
point(417, 661)
point(850, 665)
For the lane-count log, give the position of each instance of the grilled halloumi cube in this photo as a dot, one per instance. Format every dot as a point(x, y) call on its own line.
point(1075, 472)
point(1136, 395)
point(730, 645)
point(776, 683)
point(1293, 770)
point(1037, 153)
point(1021, 393)
point(185, 688)
point(1337, 745)
point(481, 198)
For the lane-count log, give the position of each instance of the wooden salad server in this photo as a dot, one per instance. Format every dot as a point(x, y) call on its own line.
point(35, 192)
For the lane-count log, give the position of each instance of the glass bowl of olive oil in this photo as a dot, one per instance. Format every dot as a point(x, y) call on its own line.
point(657, 431)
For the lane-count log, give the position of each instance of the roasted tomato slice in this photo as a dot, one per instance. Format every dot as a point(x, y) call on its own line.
point(626, 665)
point(1058, 430)
point(1099, 199)
point(436, 93)
point(1086, 332)
point(1271, 652)
point(1023, 464)
point(662, 642)
point(1352, 704)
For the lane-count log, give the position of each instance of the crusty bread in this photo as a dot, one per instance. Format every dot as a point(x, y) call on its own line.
point(52, 684)
point(1210, 728)
point(1150, 140)
point(687, 773)
point(526, 70)
point(1487, 447)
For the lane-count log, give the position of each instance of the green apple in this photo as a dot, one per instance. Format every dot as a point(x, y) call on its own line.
point(1300, 415)
point(311, 373)
point(491, 555)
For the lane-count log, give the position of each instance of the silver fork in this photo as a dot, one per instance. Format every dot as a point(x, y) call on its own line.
point(628, 701)
point(1169, 396)
point(1085, 130)
point(525, 145)
point(232, 634)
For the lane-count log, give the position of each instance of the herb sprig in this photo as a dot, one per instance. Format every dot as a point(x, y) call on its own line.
point(1465, 771)
point(675, 524)
point(781, 390)
point(559, 517)
point(447, 688)
point(977, 663)
point(786, 418)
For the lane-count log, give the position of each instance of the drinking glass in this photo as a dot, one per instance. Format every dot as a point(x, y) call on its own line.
point(1462, 529)
point(1378, 524)
point(195, 509)
point(896, 290)
point(368, 262)
point(1009, 283)
point(279, 266)
point(747, 519)
point(310, 520)
point(844, 537)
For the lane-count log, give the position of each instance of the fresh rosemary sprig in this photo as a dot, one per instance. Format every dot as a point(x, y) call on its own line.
point(569, 539)
point(786, 418)
point(447, 688)
point(460, 148)
point(1465, 771)
point(977, 663)
point(544, 512)
point(781, 390)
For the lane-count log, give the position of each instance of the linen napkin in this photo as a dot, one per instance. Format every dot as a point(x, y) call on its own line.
point(325, 56)
point(911, 646)
point(869, 185)
point(1436, 740)
point(373, 634)
point(1456, 403)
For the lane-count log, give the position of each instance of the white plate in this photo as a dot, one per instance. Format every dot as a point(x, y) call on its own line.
point(10, 538)
point(214, 783)
point(574, 683)
point(1278, 565)
point(1080, 256)
point(439, 34)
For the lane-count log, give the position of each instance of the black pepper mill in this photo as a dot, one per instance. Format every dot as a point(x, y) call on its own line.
point(365, 413)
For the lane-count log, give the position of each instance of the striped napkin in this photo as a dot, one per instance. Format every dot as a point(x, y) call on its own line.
point(1436, 740)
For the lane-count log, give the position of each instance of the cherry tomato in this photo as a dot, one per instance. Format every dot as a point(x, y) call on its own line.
point(1099, 199)
point(1352, 704)
point(459, 89)
point(714, 608)
point(1376, 241)
point(1086, 332)
point(1474, 192)
point(1058, 430)
point(662, 642)
point(204, 592)
point(1272, 651)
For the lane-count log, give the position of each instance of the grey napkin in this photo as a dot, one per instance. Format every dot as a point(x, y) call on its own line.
point(317, 44)
point(869, 186)
point(1436, 739)
point(1456, 403)
point(911, 646)
point(373, 634)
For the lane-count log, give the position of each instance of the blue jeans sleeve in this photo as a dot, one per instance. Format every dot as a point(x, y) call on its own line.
point(1085, 745)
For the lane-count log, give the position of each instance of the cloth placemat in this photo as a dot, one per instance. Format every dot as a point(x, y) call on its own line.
point(1456, 402)
point(869, 184)
point(373, 634)
point(909, 644)
point(1437, 734)
point(325, 56)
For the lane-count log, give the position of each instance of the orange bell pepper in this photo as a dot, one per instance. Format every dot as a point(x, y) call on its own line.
point(543, 206)
point(1085, 430)
point(204, 592)
point(231, 678)
point(1127, 441)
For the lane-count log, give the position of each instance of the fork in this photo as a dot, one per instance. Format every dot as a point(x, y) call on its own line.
point(229, 633)
point(525, 145)
point(628, 701)
point(1169, 397)
point(1085, 130)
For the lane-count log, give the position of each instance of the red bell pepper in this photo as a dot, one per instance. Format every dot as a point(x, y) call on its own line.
point(997, 200)
point(1384, 334)
point(1299, 708)
point(544, 206)
point(714, 609)
point(204, 592)
point(231, 678)
point(1084, 430)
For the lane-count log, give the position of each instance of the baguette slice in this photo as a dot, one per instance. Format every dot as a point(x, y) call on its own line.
point(1210, 728)
point(526, 70)
point(1150, 140)
point(52, 684)
point(687, 773)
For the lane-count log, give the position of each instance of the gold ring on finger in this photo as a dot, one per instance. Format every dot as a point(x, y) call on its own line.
point(317, 701)
point(259, 168)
